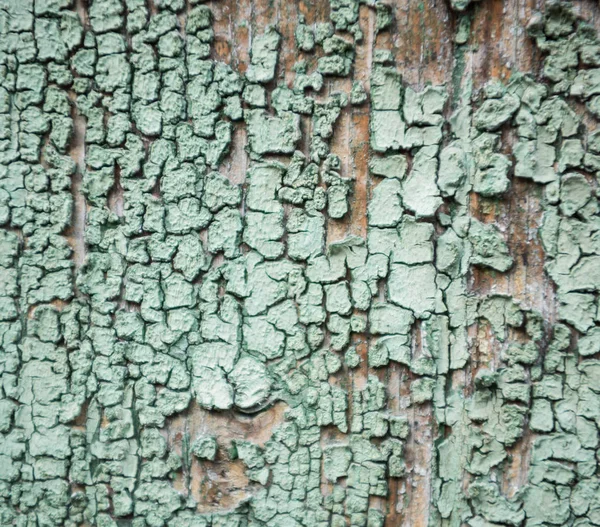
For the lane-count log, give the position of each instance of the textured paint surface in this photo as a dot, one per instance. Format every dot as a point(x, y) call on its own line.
point(263, 264)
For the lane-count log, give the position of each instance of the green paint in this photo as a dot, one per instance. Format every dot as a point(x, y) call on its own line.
point(143, 280)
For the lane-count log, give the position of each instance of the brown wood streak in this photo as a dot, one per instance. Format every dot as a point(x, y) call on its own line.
point(422, 36)
point(222, 484)
point(500, 39)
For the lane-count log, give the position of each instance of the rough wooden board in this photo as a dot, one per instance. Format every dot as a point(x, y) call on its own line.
point(422, 43)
